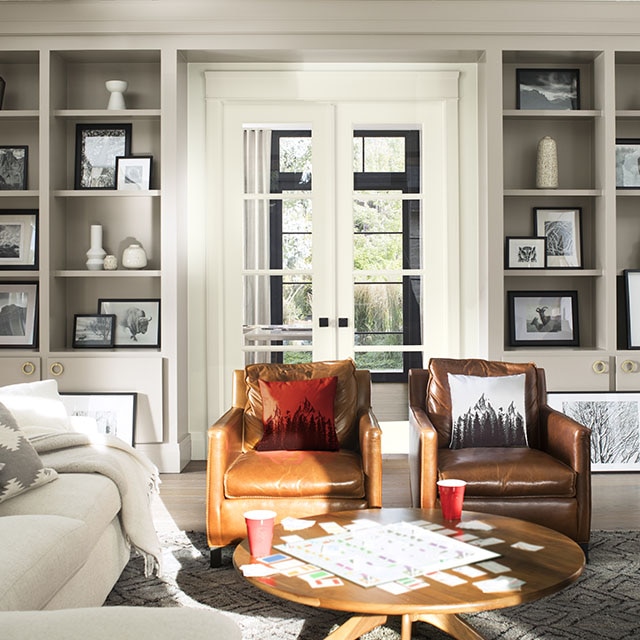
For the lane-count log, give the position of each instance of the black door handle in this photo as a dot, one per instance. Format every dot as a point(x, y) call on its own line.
point(343, 322)
point(323, 322)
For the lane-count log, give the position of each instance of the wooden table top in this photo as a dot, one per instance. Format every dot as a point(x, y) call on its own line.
point(546, 571)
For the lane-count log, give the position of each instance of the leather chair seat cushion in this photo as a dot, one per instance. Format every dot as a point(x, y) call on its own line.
point(295, 474)
point(507, 472)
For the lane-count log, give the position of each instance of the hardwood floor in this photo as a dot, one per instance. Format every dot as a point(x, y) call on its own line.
point(181, 504)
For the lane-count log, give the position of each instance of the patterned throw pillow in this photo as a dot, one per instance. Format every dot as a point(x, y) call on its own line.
point(487, 411)
point(20, 466)
point(298, 415)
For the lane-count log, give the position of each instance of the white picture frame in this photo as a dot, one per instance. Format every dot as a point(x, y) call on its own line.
point(133, 173)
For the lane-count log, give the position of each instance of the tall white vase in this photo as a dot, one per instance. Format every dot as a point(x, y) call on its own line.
point(547, 164)
point(96, 254)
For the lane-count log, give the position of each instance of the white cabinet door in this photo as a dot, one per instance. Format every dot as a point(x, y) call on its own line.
point(628, 372)
point(14, 370)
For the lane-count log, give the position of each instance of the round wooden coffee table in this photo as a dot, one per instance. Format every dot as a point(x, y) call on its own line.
point(558, 564)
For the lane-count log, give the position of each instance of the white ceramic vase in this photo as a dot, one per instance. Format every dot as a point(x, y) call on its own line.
point(117, 89)
point(134, 257)
point(96, 254)
point(110, 263)
point(547, 164)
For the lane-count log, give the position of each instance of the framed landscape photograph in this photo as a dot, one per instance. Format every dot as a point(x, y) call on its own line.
point(93, 331)
point(614, 420)
point(563, 231)
point(555, 89)
point(97, 147)
point(543, 318)
point(114, 413)
point(137, 321)
point(18, 314)
point(14, 164)
point(525, 253)
point(133, 173)
point(18, 239)
point(628, 163)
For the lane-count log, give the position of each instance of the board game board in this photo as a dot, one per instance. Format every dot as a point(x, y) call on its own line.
point(385, 553)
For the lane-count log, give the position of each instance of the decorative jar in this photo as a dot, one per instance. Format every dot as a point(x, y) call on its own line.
point(134, 257)
point(110, 263)
point(547, 164)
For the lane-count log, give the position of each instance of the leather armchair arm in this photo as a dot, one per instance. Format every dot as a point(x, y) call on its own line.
point(423, 458)
point(370, 440)
point(565, 439)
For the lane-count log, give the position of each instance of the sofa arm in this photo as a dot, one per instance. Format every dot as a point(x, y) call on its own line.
point(423, 459)
point(370, 437)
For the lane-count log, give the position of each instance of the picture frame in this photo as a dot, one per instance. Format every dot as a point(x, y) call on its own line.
point(543, 318)
point(18, 239)
point(628, 163)
point(632, 294)
point(614, 420)
point(563, 230)
point(97, 147)
point(133, 173)
point(14, 167)
point(552, 89)
point(94, 331)
point(137, 321)
point(525, 252)
point(114, 412)
point(19, 314)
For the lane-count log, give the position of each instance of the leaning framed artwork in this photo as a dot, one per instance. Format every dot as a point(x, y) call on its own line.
point(553, 89)
point(137, 321)
point(543, 318)
point(628, 163)
point(133, 173)
point(632, 291)
point(562, 229)
point(97, 147)
point(93, 331)
point(14, 165)
point(114, 413)
point(18, 314)
point(18, 239)
point(525, 253)
point(614, 420)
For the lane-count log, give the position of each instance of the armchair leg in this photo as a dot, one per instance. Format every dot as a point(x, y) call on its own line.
point(215, 558)
point(585, 547)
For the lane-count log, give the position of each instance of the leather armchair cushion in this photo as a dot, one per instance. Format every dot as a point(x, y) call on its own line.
point(295, 474)
point(507, 472)
point(345, 406)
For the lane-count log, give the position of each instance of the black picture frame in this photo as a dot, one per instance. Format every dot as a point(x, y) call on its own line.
point(130, 330)
point(94, 331)
point(628, 163)
point(97, 147)
point(18, 315)
point(548, 89)
point(543, 318)
point(525, 252)
point(562, 227)
point(632, 295)
point(14, 167)
point(134, 173)
point(18, 239)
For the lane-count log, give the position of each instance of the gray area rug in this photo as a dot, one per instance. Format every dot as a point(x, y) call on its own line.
point(604, 604)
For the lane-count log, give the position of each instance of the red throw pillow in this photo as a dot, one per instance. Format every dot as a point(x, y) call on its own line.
point(298, 415)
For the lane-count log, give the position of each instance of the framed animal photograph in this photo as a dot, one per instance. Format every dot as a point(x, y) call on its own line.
point(97, 147)
point(14, 165)
point(563, 231)
point(19, 314)
point(137, 323)
point(114, 413)
point(93, 331)
point(543, 318)
point(525, 253)
point(18, 239)
point(548, 89)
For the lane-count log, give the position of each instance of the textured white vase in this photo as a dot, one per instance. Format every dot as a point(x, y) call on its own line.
point(116, 88)
point(134, 257)
point(110, 263)
point(96, 254)
point(547, 164)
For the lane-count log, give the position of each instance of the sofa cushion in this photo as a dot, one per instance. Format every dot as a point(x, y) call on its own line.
point(487, 411)
point(21, 468)
point(346, 401)
point(507, 472)
point(295, 474)
point(298, 415)
point(39, 553)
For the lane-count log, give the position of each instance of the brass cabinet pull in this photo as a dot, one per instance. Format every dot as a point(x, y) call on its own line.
point(600, 366)
point(56, 369)
point(629, 366)
point(28, 368)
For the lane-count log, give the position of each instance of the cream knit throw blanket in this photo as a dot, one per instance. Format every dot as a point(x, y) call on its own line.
point(132, 472)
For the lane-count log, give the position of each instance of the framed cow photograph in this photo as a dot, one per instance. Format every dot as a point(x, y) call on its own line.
point(137, 321)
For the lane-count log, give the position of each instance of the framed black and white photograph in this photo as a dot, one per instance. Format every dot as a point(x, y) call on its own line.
point(543, 318)
point(133, 173)
point(137, 321)
point(628, 163)
point(525, 253)
point(97, 147)
point(14, 165)
point(614, 420)
point(94, 331)
point(18, 239)
point(563, 230)
point(554, 89)
point(632, 291)
point(114, 413)
point(18, 314)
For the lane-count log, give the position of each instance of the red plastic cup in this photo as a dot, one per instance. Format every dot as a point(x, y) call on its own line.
point(451, 498)
point(260, 524)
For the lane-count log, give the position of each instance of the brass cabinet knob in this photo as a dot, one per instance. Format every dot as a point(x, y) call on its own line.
point(600, 366)
point(629, 366)
point(28, 368)
point(56, 369)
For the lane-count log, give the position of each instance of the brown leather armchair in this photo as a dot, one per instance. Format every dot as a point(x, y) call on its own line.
point(292, 483)
point(548, 482)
